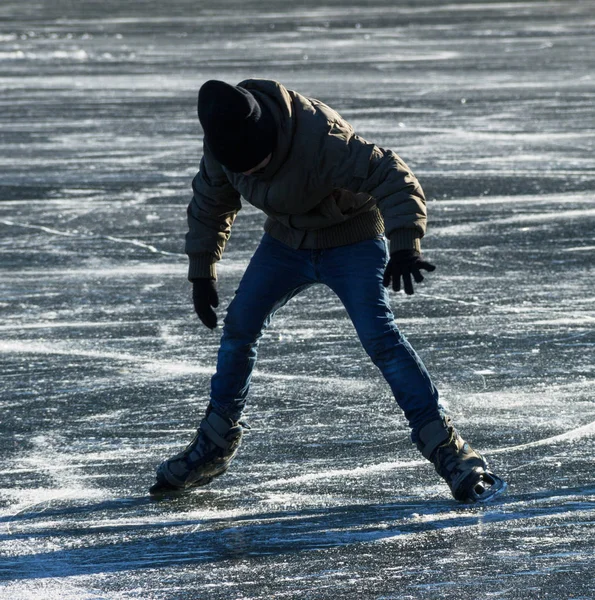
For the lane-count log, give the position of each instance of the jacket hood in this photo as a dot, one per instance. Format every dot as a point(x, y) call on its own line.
point(277, 99)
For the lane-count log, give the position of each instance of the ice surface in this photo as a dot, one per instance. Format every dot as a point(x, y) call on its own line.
point(105, 370)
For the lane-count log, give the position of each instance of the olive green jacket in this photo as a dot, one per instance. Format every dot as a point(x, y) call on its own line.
point(325, 186)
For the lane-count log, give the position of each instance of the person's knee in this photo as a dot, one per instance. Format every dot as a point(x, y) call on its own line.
point(240, 331)
point(380, 346)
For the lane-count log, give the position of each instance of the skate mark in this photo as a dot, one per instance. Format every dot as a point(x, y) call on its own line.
point(45, 504)
point(363, 470)
point(474, 227)
point(447, 299)
point(68, 324)
point(59, 580)
point(166, 367)
point(140, 244)
point(568, 436)
point(334, 473)
point(40, 228)
point(547, 199)
point(547, 457)
point(111, 238)
point(269, 534)
point(579, 249)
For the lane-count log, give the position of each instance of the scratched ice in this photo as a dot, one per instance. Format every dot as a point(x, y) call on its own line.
point(105, 370)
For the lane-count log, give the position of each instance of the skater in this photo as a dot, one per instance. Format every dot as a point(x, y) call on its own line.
point(332, 200)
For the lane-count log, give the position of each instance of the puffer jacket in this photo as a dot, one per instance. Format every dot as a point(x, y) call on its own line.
point(325, 186)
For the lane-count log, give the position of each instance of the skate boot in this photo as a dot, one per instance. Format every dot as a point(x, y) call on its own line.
point(465, 470)
point(207, 456)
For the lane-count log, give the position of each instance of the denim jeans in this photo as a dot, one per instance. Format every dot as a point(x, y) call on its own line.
point(277, 273)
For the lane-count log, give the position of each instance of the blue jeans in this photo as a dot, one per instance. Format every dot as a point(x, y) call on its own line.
point(277, 273)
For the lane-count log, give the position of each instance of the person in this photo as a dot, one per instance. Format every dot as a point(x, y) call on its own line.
point(333, 200)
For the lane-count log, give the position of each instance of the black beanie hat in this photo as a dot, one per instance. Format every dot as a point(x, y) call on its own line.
point(239, 131)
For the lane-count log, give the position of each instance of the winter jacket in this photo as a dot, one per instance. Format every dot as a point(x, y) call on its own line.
point(325, 186)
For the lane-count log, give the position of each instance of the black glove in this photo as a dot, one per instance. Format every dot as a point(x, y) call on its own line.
point(205, 298)
point(404, 263)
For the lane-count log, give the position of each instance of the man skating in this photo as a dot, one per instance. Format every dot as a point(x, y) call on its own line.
point(332, 200)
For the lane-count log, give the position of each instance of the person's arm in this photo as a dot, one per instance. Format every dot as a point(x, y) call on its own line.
point(211, 214)
point(350, 162)
point(403, 207)
point(399, 197)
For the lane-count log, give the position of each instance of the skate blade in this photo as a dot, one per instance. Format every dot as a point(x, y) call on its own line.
point(482, 493)
point(163, 489)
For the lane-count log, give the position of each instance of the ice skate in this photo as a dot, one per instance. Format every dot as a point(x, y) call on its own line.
point(464, 469)
point(207, 456)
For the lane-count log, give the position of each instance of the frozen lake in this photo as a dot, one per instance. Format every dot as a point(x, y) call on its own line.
point(104, 369)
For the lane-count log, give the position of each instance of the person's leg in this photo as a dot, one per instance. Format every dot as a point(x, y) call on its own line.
point(355, 274)
point(276, 273)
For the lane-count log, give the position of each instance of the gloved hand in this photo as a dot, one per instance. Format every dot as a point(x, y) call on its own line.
point(205, 298)
point(404, 263)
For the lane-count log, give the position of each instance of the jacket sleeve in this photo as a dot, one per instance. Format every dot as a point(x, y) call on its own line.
point(399, 197)
point(211, 213)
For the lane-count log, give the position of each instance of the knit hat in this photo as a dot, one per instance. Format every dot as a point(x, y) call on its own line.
point(239, 131)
